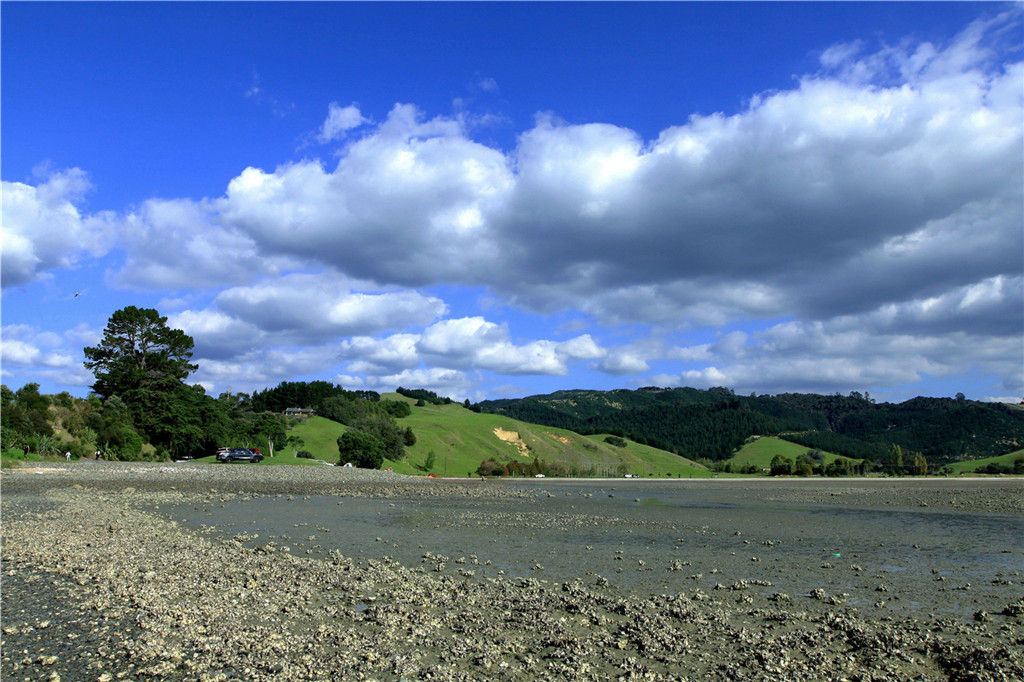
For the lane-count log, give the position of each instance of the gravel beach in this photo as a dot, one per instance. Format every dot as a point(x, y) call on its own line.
point(145, 571)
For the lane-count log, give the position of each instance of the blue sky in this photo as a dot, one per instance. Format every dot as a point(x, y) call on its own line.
point(501, 199)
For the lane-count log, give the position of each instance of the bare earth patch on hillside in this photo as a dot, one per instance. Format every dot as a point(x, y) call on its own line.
point(514, 438)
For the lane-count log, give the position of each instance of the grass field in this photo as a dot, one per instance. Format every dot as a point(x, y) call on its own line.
point(971, 466)
point(761, 451)
point(461, 439)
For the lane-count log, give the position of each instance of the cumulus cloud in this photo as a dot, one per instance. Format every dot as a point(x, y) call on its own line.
point(475, 342)
point(393, 354)
point(42, 355)
point(44, 229)
point(445, 382)
point(840, 355)
point(875, 205)
point(339, 121)
point(470, 344)
point(624, 362)
point(320, 306)
point(861, 186)
point(204, 254)
point(405, 205)
point(301, 311)
point(26, 346)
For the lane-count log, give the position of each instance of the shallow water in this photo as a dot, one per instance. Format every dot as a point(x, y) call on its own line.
point(660, 537)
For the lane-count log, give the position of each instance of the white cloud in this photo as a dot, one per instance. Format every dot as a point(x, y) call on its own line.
point(339, 121)
point(43, 228)
point(405, 205)
point(844, 354)
point(876, 205)
point(27, 346)
point(444, 382)
point(29, 354)
point(384, 356)
point(475, 342)
point(322, 306)
point(855, 170)
point(623, 362)
point(203, 255)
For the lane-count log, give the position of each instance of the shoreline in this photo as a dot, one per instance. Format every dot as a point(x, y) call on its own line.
point(89, 556)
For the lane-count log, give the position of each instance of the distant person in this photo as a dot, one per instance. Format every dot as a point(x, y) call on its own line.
point(67, 455)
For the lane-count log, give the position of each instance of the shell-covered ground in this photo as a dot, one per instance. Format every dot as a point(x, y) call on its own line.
point(102, 580)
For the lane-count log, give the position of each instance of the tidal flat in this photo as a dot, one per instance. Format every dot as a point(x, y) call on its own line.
point(192, 572)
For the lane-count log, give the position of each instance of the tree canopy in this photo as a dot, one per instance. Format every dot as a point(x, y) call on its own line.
point(139, 352)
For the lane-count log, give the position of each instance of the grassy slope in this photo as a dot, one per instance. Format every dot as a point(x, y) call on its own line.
point(319, 436)
point(971, 465)
point(461, 439)
point(761, 451)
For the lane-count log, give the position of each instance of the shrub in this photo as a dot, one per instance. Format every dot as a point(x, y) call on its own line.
point(491, 468)
point(304, 454)
point(362, 449)
point(781, 466)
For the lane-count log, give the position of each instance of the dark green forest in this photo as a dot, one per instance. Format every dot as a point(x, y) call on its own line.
point(714, 423)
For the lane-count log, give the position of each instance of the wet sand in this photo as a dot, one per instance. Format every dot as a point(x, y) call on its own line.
point(235, 572)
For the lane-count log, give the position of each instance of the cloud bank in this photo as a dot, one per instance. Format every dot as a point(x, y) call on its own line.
point(869, 218)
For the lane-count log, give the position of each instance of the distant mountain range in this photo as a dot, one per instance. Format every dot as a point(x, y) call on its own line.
point(713, 423)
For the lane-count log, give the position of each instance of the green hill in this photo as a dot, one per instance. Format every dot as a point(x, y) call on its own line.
point(1007, 463)
point(715, 423)
point(319, 437)
point(461, 439)
point(760, 451)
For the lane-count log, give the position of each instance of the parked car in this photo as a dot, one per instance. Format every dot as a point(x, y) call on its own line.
point(239, 455)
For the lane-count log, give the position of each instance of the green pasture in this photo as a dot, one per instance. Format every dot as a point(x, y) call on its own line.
point(461, 439)
point(1005, 461)
point(760, 452)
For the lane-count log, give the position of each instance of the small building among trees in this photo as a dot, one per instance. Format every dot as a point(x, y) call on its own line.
point(299, 412)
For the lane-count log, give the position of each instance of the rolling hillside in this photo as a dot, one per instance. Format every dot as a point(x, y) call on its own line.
point(715, 423)
point(461, 439)
point(1012, 462)
point(759, 452)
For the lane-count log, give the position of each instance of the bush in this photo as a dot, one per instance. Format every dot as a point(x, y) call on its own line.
point(491, 468)
point(395, 408)
point(615, 441)
point(362, 449)
point(781, 466)
point(304, 454)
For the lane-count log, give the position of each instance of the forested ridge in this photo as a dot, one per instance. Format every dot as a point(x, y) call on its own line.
point(713, 423)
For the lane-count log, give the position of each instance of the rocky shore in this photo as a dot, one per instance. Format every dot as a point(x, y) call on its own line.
point(100, 583)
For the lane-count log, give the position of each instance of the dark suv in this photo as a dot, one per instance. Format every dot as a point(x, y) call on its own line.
point(239, 455)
